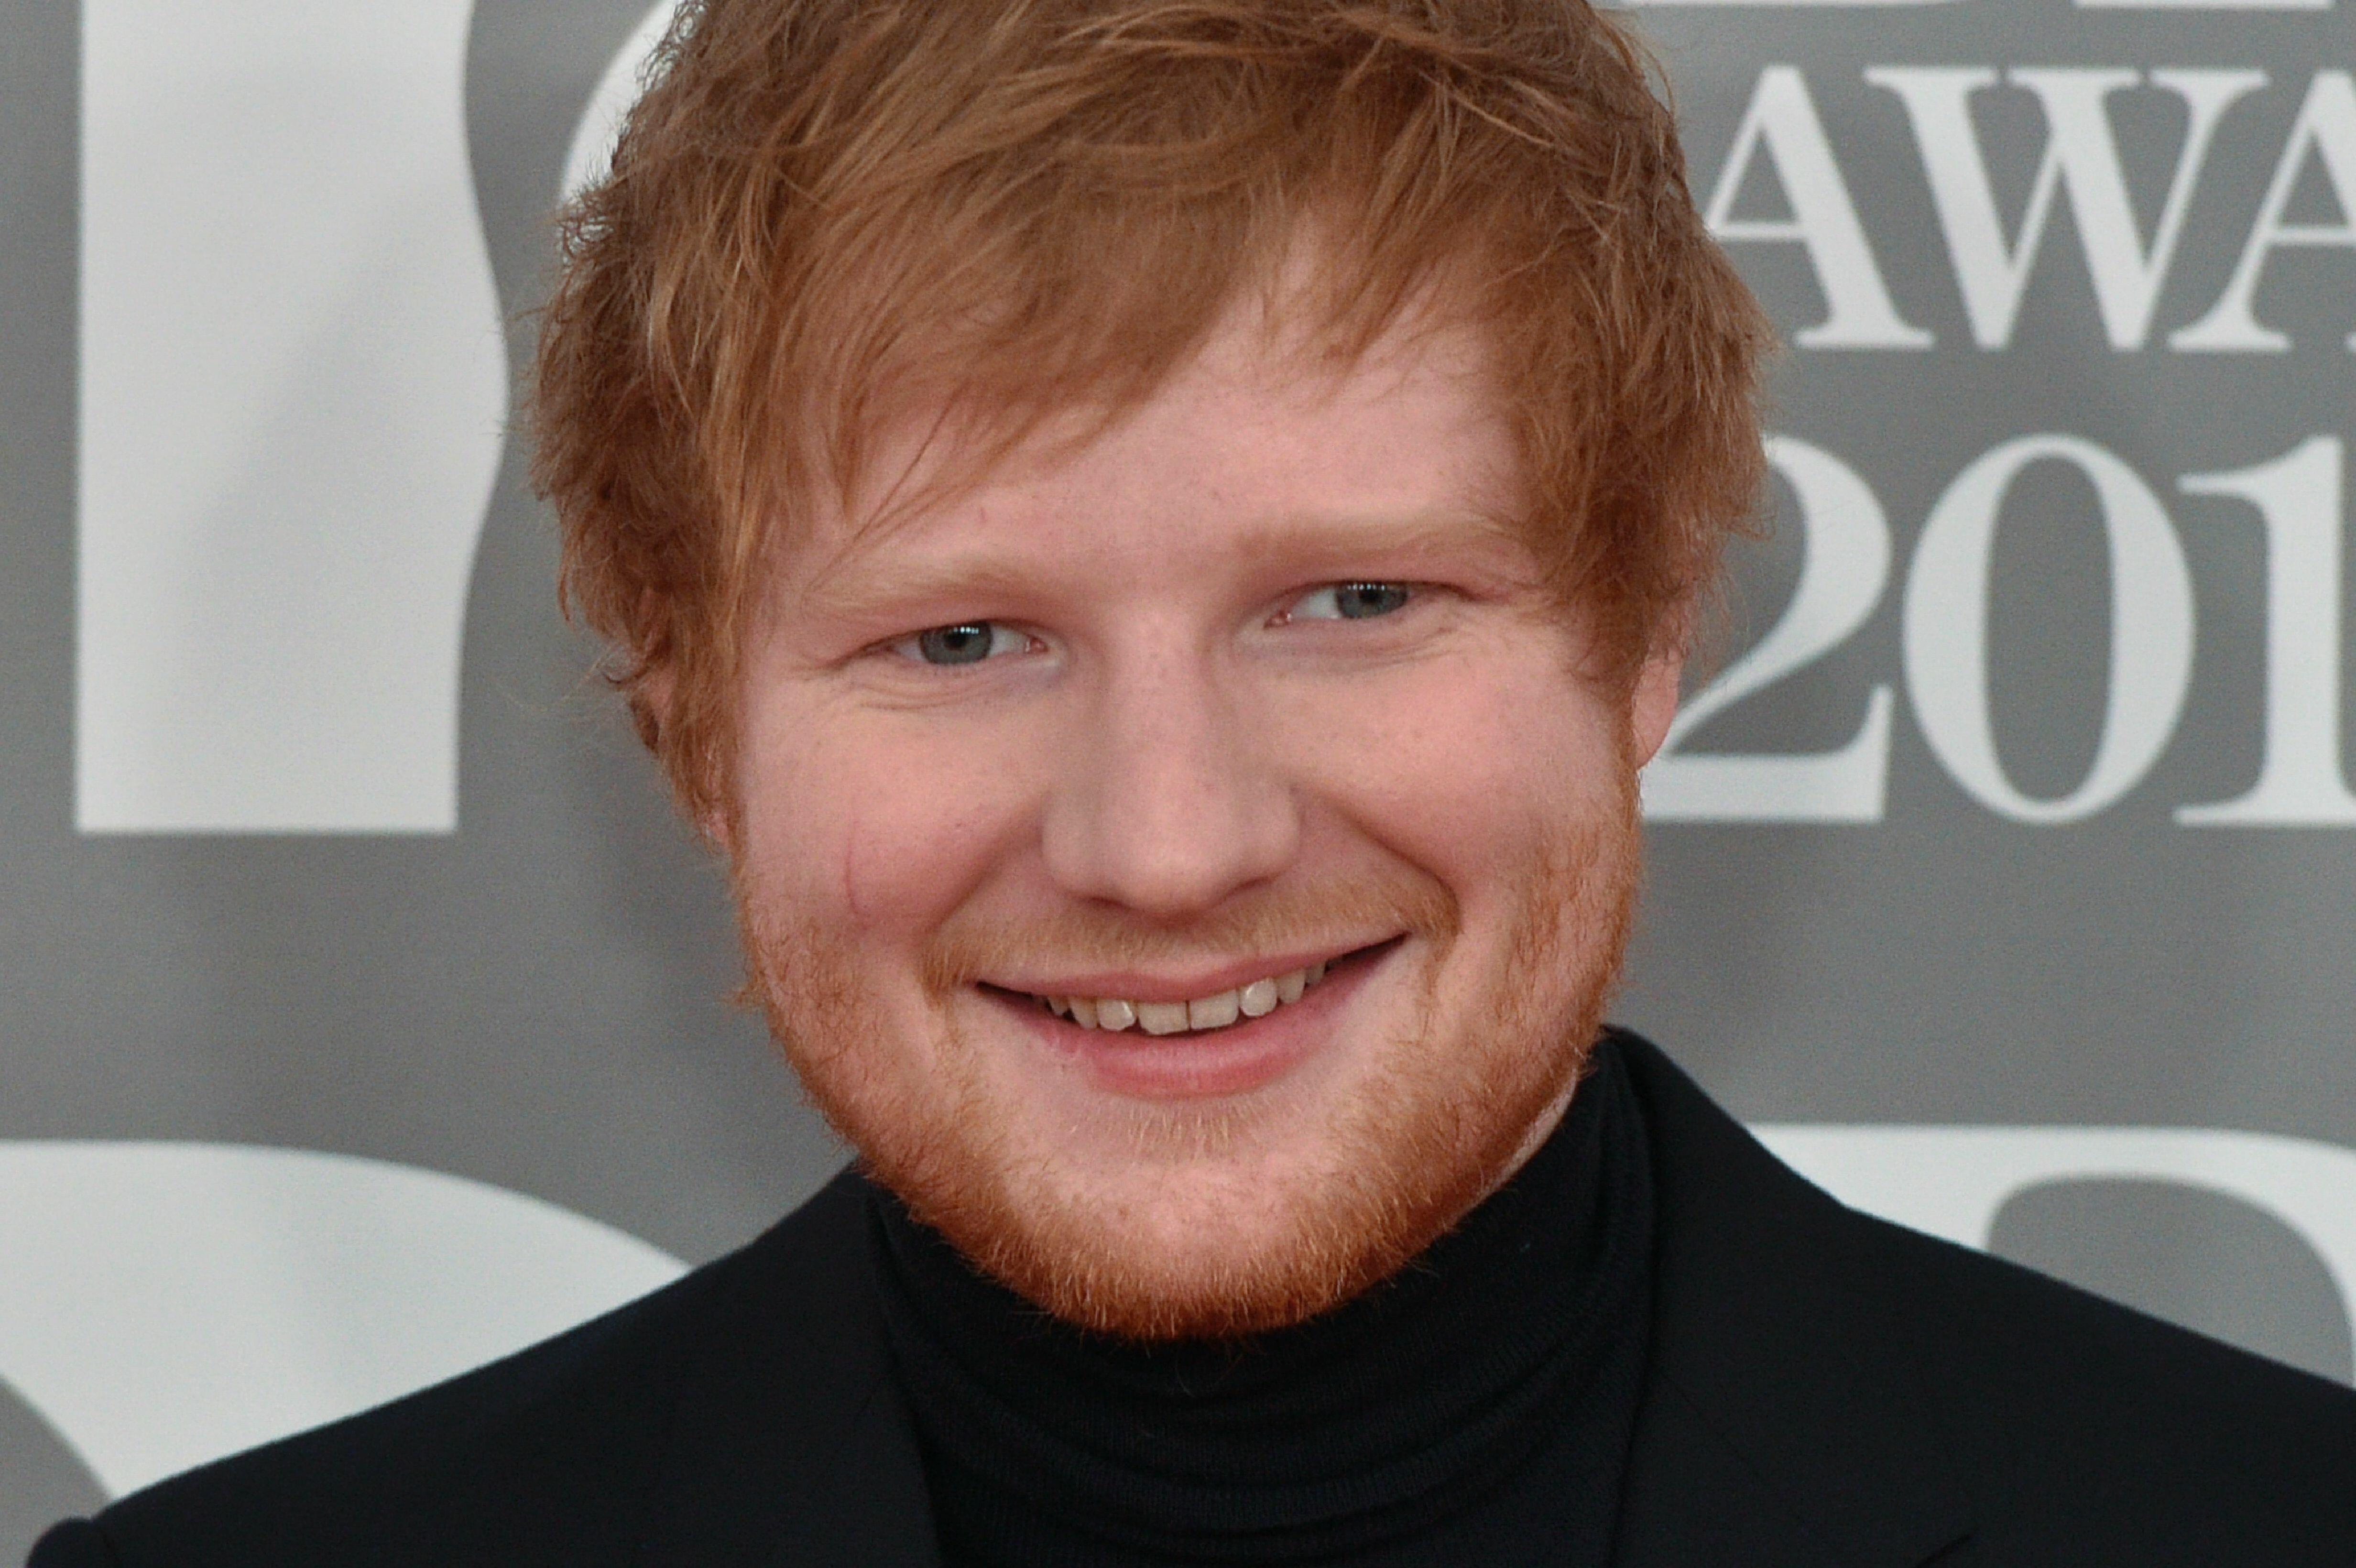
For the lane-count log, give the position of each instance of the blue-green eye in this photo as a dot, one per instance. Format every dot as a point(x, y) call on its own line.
point(969, 641)
point(1353, 601)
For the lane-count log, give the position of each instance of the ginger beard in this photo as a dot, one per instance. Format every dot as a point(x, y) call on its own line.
point(1238, 1214)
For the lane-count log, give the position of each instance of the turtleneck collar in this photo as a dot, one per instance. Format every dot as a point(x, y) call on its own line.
point(1477, 1407)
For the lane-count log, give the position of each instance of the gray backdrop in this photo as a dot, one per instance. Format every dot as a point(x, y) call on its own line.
point(2002, 876)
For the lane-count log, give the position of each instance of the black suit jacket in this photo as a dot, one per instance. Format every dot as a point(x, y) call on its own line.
point(1825, 1389)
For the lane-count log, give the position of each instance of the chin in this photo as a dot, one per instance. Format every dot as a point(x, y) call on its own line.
point(1220, 1218)
point(1198, 1266)
point(1219, 1221)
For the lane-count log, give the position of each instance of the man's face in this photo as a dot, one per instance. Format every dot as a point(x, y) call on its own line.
point(1245, 721)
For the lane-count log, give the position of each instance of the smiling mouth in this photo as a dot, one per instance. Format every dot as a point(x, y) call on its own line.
point(1198, 1015)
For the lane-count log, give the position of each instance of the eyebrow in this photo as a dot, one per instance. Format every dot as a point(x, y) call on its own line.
point(870, 596)
point(1429, 532)
point(843, 592)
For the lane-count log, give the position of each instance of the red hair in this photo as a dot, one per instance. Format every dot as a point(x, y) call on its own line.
point(1031, 206)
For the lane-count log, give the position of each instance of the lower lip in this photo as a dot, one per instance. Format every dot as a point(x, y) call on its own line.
point(1236, 1060)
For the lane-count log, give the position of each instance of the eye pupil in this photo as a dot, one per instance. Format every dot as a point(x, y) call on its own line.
point(968, 644)
point(1358, 601)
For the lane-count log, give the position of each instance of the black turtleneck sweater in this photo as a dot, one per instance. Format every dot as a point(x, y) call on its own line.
point(1475, 1409)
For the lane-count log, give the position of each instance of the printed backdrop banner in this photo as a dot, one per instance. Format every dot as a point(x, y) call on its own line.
point(362, 1005)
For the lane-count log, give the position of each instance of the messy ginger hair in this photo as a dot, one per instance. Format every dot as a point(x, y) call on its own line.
point(821, 210)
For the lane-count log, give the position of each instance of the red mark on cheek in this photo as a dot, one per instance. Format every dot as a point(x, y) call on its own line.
point(855, 856)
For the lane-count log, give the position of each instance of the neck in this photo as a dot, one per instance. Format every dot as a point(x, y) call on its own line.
point(1374, 1423)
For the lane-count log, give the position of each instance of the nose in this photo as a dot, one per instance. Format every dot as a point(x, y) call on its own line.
point(1169, 797)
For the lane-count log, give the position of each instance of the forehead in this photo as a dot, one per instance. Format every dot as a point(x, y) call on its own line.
point(1266, 439)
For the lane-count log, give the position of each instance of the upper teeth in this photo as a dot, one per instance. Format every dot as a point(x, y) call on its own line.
point(1260, 997)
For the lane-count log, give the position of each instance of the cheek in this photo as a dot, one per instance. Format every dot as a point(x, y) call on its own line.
point(877, 826)
point(1474, 772)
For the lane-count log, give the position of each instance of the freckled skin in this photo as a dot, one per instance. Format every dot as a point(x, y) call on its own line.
point(1188, 751)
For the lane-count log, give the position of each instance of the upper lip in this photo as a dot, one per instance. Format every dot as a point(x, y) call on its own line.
point(1133, 987)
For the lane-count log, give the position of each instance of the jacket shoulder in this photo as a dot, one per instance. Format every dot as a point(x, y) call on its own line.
point(547, 1456)
point(1900, 1395)
point(2081, 1422)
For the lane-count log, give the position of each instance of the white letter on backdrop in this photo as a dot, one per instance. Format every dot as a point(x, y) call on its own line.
point(2327, 123)
point(1845, 541)
point(591, 153)
point(2204, 5)
point(1953, 1181)
point(171, 1303)
point(2302, 783)
point(1946, 615)
point(2081, 155)
point(293, 388)
point(1783, 120)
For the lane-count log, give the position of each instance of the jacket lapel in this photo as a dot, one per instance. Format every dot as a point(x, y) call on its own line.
point(1783, 1422)
point(790, 1443)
